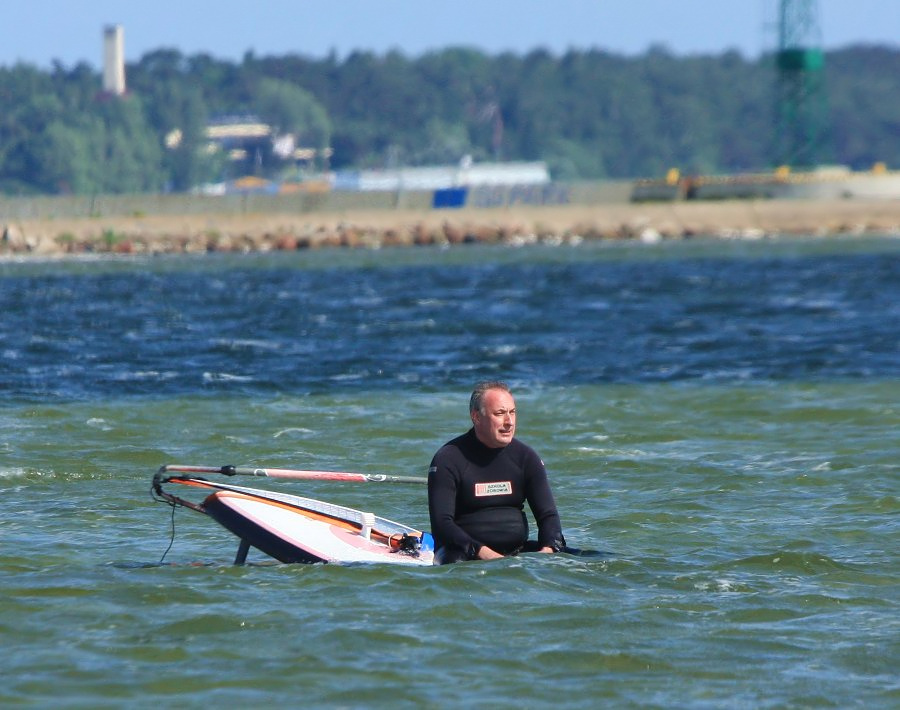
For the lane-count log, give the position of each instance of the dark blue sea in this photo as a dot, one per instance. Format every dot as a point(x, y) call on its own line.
point(719, 418)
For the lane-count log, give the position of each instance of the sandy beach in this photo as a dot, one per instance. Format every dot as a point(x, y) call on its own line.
point(384, 228)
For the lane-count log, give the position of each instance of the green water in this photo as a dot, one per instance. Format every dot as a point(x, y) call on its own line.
point(752, 532)
point(720, 419)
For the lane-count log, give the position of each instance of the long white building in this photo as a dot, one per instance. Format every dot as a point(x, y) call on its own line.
point(466, 174)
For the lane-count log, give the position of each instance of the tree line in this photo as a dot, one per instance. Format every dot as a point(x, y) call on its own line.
point(589, 114)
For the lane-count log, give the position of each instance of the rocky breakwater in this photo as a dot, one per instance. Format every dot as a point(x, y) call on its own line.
point(388, 228)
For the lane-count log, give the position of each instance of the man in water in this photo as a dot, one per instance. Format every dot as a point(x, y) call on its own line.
point(478, 484)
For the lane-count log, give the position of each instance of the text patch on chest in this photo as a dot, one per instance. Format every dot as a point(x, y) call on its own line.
point(496, 488)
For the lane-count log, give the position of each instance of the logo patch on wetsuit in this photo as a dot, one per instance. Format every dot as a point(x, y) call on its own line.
point(497, 488)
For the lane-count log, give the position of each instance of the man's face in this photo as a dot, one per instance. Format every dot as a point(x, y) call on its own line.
point(496, 426)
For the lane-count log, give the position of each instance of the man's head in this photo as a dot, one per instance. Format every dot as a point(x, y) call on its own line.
point(493, 412)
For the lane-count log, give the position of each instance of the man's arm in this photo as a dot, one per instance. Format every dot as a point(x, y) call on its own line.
point(442, 510)
point(543, 506)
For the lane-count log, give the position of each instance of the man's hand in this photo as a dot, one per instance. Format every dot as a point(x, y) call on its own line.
point(486, 553)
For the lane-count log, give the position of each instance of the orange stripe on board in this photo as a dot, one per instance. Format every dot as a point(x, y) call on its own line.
point(384, 538)
point(313, 515)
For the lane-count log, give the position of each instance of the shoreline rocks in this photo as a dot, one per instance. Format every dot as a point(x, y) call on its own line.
point(192, 234)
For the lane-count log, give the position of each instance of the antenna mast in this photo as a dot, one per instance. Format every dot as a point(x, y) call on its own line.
point(801, 109)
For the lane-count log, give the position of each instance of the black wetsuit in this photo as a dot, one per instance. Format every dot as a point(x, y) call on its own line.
point(476, 496)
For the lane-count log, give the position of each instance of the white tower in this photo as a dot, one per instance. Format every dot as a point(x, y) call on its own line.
point(114, 60)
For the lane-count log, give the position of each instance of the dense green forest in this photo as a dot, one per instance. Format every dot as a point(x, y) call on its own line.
point(588, 114)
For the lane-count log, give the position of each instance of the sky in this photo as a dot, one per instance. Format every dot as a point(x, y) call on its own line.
point(40, 32)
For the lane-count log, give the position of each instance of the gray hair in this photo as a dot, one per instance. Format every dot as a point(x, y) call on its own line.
point(476, 401)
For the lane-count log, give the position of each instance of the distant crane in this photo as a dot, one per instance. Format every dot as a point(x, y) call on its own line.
point(801, 111)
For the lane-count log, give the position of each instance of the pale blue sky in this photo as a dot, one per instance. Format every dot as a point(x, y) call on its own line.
point(41, 31)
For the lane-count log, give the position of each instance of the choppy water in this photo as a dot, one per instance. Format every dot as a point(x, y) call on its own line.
point(721, 417)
